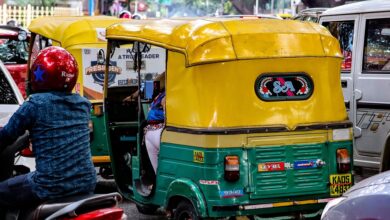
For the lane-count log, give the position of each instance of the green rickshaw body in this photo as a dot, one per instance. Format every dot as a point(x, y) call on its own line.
point(255, 119)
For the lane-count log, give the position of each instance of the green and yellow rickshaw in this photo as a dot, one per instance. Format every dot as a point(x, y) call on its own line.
point(84, 38)
point(255, 121)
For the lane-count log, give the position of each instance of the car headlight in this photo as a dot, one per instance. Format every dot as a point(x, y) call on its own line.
point(331, 204)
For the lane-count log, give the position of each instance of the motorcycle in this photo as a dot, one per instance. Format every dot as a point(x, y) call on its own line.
point(78, 207)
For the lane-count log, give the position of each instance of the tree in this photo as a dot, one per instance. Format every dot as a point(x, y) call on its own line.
point(35, 2)
point(201, 7)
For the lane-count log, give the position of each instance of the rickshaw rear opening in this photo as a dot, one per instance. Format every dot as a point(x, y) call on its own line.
point(253, 125)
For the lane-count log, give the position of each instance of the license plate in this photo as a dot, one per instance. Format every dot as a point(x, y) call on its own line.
point(339, 183)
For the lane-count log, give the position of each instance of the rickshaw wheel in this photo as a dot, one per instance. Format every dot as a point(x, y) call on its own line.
point(147, 209)
point(185, 211)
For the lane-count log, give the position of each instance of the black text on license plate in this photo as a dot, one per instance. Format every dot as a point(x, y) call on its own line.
point(339, 183)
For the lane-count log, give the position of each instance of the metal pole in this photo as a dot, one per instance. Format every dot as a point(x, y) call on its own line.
point(257, 7)
point(272, 6)
point(136, 7)
point(92, 7)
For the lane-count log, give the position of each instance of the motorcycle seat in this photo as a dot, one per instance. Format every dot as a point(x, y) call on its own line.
point(71, 206)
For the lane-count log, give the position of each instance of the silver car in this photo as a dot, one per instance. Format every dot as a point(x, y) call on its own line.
point(368, 199)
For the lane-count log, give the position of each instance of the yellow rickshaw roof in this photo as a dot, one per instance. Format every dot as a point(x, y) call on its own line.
point(205, 40)
point(70, 30)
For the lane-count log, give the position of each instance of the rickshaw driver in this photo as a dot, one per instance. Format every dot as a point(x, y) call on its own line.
point(155, 121)
point(152, 131)
point(58, 123)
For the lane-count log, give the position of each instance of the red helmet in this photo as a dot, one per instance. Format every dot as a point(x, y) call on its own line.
point(54, 69)
point(125, 14)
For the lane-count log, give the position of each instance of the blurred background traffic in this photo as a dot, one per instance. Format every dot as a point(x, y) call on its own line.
point(21, 12)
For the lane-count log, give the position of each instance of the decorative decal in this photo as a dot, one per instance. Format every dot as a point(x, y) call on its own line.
point(278, 87)
point(270, 166)
point(307, 164)
point(209, 182)
point(98, 67)
point(231, 193)
point(39, 74)
point(153, 64)
point(198, 156)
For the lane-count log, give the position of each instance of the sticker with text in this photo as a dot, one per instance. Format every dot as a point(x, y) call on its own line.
point(231, 193)
point(198, 156)
point(270, 166)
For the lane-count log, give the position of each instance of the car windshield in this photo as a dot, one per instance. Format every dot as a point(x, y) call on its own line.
point(13, 51)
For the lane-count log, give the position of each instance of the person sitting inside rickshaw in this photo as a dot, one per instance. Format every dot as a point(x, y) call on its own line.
point(154, 128)
point(57, 120)
point(155, 122)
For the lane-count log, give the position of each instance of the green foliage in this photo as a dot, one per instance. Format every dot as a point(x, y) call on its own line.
point(203, 7)
point(35, 2)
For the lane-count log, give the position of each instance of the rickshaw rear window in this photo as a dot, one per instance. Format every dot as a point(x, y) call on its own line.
point(278, 87)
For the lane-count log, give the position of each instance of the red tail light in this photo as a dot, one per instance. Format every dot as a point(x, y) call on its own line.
point(343, 161)
point(101, 214)
point(97, 109)
point(232, 168)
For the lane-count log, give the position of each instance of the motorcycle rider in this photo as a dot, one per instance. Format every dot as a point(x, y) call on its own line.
point(57, 121)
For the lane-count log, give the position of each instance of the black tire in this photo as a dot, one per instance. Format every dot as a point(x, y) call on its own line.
point(185, 211)
point(147, 209)
point(106, 172)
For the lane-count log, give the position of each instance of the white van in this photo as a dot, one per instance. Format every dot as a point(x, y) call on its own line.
point(10, 100)
point(363, 30)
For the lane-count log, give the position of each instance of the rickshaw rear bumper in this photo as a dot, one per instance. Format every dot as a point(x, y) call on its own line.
point(283, 209)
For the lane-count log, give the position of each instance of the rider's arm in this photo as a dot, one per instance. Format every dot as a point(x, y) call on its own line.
point(22, 120)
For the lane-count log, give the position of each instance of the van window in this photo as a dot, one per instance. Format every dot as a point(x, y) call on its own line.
point(376, 56)
point(343, 31)
point(7, 95)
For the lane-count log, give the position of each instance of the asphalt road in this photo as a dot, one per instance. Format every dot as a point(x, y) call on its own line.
point(106, 186)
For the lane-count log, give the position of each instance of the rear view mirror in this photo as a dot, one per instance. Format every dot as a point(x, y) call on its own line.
point(140, 47)
point(22, 36)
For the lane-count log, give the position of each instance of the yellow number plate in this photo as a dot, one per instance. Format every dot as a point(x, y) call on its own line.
point(339, 183)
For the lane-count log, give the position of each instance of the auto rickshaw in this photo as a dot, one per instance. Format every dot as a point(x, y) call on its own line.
point(84, 38)
point(255, 122)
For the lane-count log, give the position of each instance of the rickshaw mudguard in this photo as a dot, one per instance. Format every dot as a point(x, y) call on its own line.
point(187, 189)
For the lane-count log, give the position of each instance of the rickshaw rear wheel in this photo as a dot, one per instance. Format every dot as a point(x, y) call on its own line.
point(147, 209)
point(185, 211)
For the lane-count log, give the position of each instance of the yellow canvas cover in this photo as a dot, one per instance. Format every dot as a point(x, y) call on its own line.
point(72, 30)
point(213, 64)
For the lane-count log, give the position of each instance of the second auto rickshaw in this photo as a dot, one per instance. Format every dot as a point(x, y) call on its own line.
point(255, 122)
point(84, 38)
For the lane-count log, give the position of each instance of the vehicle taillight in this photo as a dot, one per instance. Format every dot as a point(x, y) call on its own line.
point(232, 168)
point(343, 161)
point(97, 109)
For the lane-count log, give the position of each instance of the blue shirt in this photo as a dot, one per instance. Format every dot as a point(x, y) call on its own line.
point(156, 110)
point(59, 132)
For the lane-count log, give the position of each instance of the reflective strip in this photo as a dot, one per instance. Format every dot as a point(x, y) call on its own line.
point(101, 159)
point(259, 206)
point(283, 204)
point(325, 200)
point(305, 202)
